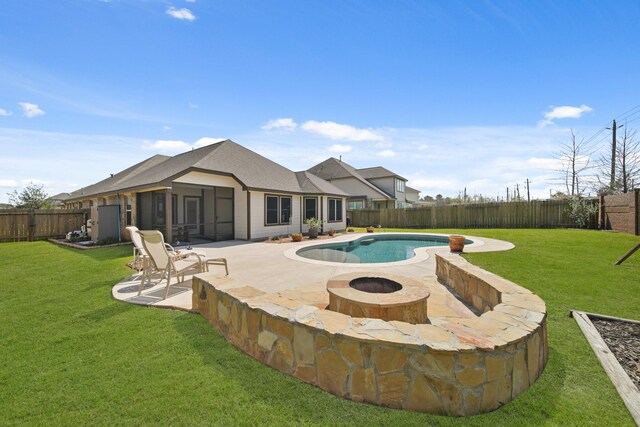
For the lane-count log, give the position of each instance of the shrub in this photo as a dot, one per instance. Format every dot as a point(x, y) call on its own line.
point(581, 210)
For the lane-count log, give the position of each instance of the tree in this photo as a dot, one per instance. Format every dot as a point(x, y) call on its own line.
point(574, 162)
point(31, 197)
point(626, 168)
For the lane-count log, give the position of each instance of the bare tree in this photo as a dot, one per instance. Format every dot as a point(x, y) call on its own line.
point(627, 164)
point(575, 160)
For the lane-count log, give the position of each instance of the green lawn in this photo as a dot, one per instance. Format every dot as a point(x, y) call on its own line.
point(71, 355)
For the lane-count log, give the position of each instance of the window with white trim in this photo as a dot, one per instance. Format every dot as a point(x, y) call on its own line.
point(356, 204)
point(277, 210)
point(399, 185)
point(335, 210)
point(311, 207)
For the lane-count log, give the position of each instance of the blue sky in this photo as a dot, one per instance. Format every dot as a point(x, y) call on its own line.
point(449, 94)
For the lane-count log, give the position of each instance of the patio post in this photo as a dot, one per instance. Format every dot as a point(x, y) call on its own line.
point(168, 216)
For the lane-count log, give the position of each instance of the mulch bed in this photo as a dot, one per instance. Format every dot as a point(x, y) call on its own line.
point(623, 339)
point(287, 238)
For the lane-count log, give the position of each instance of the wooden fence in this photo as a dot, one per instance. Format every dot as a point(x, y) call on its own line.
point(39, 224)
point(535, 214)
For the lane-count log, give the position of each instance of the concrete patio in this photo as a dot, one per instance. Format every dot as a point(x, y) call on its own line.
point(274, 268)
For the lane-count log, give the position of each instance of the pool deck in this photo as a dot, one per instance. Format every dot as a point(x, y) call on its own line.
point(275, 269)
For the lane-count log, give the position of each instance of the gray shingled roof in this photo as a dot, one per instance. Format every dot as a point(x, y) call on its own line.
point(377, 172)
point(333, 168)
point(252, 170)
point(407, 188)
point(115, 182)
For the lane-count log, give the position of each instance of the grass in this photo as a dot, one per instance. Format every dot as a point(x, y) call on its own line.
point(72, 355)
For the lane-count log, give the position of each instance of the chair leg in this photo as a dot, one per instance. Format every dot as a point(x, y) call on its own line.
point(226, 268)
point(166, 291)
point(144, 278)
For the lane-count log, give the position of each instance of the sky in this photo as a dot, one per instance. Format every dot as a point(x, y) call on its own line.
point(449, 94)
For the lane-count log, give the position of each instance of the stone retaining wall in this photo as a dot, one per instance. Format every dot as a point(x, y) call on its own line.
point(453, 366)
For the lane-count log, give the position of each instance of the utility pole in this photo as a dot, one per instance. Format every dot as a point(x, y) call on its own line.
point(528, 195)
point(517, 192)
point(507, 194)
point(614, 128)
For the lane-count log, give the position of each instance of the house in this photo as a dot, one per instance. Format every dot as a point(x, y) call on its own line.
point(375, 187)
point(222, 191)
point(58, 200)
point(412, 196)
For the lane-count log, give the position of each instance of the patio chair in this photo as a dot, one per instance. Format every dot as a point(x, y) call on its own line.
point(160, 260)
point(139, 253)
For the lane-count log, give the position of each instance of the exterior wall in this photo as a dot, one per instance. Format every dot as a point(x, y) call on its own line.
point(261, 231)
point(411, 196)
point(354, 187)
point(387, 184)
point(621, 212)
point(338, 225)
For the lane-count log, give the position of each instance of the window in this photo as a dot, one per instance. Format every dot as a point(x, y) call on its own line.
point(335, 210)
point(174, 209)
point(128, 209)
point(272, 210)
point(285, 210)
point(310, 207)
point(277, 210)
point(160, 215)
point(356, 204)
point(399, 186)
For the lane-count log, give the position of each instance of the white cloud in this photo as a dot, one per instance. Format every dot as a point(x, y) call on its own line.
point(284, 124)
point(182, 14)
point(190, 1)
point(30, 110)
point(168, 146)
point(386, 153)
point(339, 131)
point(5, 113)
point(166, 127)
point(8, 183)
point(564, 112)
point(193, 105)
point(339, 148)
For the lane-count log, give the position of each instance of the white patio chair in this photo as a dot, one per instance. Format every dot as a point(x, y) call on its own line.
point(160, 260)
point(139, 253)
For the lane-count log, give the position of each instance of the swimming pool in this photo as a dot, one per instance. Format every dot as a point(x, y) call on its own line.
point(373, 249)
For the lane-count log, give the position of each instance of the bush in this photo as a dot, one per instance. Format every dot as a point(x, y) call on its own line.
point(581, 210)
point(107, 241)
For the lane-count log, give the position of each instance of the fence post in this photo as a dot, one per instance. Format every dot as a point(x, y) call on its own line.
point(32, 225)
point(601, 221)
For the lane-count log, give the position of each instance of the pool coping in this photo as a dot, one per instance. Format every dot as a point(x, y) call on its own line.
point(422, 254)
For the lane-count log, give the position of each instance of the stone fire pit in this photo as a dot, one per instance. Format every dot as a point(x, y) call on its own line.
point(380, 296)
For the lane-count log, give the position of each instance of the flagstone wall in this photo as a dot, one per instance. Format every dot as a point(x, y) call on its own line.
point(453, 366)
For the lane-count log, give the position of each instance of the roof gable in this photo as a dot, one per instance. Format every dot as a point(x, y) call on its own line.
point(378, 172)
point(333, 168)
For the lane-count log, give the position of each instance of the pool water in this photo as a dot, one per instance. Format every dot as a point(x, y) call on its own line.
point(373, 249)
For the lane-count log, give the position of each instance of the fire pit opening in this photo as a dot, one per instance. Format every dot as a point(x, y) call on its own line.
point(375, 285)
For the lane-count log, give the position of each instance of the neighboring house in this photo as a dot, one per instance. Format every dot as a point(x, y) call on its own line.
point(412, 196)
point(59, 199)
point(222, 191)
point(375, 187)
